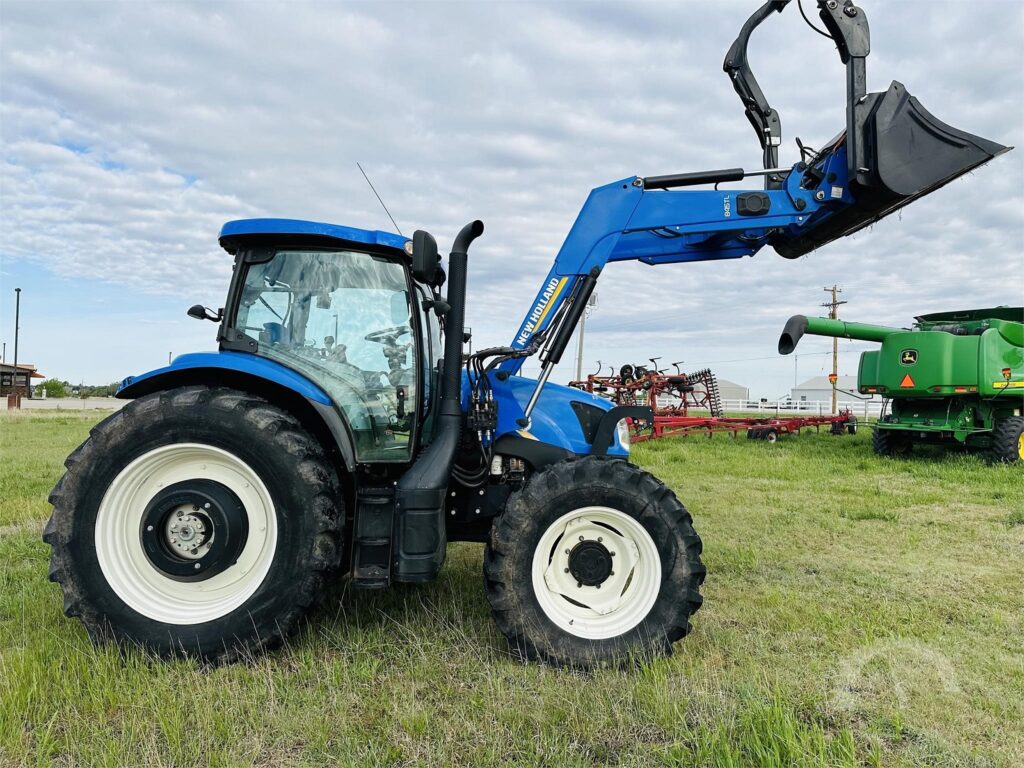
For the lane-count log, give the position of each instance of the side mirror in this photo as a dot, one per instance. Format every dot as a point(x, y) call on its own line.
point(199, 312)
point(424, 257)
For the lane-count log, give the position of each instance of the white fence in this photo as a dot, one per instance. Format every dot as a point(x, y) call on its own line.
point(864, 408)
point(861, 408)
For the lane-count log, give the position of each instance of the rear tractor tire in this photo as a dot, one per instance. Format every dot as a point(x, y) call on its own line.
point(594, 562)
point(196, 521)
point(890, 443)
point(1008, 440)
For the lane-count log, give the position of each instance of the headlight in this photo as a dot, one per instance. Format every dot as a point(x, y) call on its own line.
point(623, 430)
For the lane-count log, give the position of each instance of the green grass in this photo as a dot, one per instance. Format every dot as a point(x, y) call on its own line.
point(858, 612)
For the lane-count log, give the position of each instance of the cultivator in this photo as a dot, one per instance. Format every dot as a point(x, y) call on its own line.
point(665, 394)
point(756, 428)
point(670, 398)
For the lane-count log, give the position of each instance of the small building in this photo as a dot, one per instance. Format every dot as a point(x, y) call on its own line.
point(730, 390)
point(18, 380)
point(819, 389)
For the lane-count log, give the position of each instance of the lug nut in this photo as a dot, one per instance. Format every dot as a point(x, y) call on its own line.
point(599, 539)
point(581, 538)
point(197, 566)
point(566, 570)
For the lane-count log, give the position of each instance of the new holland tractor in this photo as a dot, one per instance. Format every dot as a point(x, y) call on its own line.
point(339, 430)
point(955, 378)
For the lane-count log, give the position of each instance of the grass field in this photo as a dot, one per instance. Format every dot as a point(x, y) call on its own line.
point(858, 612)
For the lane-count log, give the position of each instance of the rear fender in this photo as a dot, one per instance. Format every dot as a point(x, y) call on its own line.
point(257, 375)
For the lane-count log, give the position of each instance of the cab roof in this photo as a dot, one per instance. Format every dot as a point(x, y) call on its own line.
point(242, 231)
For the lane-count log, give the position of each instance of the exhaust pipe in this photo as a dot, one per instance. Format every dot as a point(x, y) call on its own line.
point(419, 534)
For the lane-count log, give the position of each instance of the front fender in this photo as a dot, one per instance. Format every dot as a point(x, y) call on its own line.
point(240, 362)
point(275, 382)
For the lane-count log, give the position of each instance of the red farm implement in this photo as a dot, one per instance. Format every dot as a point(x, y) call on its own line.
point(769, 429)
point(666, 394)
point(671, 396)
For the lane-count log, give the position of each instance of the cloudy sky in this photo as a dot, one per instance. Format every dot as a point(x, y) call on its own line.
point(131, 132)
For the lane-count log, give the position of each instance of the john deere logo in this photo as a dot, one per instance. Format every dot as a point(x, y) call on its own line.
point(908, 356)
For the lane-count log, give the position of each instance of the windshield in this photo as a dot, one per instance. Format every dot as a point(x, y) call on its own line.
point(342, 318)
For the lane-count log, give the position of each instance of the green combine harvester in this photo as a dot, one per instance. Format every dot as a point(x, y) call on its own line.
point(955, 378)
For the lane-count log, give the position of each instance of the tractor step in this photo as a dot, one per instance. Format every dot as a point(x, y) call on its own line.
point(371, 541)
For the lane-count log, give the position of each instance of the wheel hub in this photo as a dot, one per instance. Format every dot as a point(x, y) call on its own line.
point(590, 563)
point(188, 533)
point(193, 530)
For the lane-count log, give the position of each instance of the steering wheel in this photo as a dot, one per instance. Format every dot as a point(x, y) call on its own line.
point(382, 336)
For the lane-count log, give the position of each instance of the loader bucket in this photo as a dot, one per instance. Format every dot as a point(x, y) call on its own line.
point(896, 152)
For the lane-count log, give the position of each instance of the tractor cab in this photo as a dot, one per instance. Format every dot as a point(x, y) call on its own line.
point(340, 307)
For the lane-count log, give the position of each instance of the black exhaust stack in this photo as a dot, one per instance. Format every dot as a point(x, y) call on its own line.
point(419, 534)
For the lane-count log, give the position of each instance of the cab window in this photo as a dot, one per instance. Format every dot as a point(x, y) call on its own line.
point(343, 319)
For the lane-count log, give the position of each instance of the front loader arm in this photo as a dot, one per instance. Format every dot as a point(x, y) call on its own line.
point(891, 152)
point(652, 221)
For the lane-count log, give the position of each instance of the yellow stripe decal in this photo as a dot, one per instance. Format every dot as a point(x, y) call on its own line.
point(1008, 385)
point(551, 302)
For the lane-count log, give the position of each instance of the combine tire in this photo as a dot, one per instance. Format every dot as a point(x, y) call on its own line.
point(888, 443)
point(1008, 440)
point(594, 562)
point(197, 521)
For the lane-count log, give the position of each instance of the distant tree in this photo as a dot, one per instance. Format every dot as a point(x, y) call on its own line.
point(103, 390)
point(54, 388)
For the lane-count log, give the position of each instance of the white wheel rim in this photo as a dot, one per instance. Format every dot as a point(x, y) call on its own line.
point(124, 562)
point(623, 600)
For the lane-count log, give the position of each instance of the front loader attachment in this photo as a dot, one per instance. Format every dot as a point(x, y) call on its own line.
point(896, 152)
point(892, 152)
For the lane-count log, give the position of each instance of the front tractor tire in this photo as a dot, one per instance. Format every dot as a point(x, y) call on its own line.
point(594, 562)
point(1008, 440)
point(196, 521)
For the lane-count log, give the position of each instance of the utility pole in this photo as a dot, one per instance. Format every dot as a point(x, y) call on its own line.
point(579, 341)
point(833, 313)
point(17, 321)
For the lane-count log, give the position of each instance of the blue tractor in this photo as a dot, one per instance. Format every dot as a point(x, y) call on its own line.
point(341, 430)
